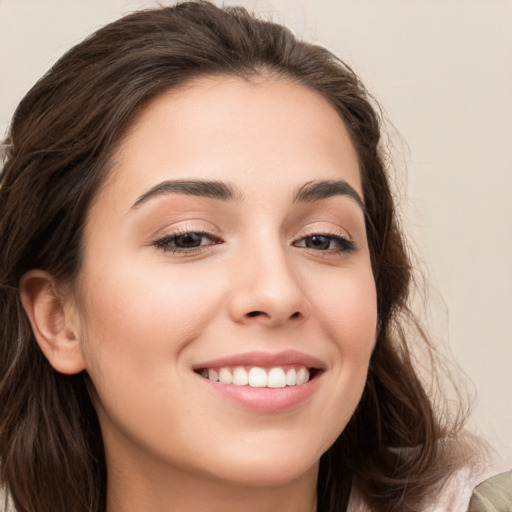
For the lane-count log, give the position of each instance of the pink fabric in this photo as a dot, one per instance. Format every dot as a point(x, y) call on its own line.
point(456, 494)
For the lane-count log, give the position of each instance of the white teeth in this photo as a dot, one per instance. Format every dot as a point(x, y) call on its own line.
point(302, 376)
point(258, 377)
point(291, 377)
point(240, 377)
point(225, 376)
point(276, 378)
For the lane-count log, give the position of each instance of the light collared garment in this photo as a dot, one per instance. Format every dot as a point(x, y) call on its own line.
point(460, 495)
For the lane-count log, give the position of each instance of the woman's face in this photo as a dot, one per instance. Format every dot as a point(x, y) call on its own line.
point(228, 242)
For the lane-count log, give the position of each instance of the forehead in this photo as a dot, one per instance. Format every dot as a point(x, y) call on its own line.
point(258, 133)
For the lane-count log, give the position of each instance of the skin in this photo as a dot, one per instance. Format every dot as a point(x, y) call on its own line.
point(141, 317)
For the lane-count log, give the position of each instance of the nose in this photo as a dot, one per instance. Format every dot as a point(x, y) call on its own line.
point(267, 288)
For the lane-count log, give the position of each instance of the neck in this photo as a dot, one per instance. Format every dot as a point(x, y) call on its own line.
point(144, 485)
point(142, 490)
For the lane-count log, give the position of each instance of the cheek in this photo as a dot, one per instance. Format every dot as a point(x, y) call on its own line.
point(348, 315)
point(136, 320)
point(138, 327)
point(348, 308)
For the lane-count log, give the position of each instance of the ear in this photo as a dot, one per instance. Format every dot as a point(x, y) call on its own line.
point(54, 321)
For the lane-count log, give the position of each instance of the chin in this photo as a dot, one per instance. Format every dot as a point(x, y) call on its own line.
point(275, 464)
point(266, 473)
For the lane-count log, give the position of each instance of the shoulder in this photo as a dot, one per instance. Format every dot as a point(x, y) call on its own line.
point(459, 492)
point(455, 494)
point(5, 501)
point(493, 494)
point(453, 497)
point(462, 494)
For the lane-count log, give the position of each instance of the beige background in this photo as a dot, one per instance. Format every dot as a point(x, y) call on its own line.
point(442, 70)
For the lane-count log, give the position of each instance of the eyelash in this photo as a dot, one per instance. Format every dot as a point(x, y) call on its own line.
point(165, 243)
point(344, 245)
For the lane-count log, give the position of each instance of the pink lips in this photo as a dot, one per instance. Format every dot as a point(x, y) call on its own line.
point(265, 399)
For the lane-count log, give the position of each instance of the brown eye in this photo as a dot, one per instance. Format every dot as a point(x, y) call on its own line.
point(331, 243)
point(186, 242)
point(319, 242)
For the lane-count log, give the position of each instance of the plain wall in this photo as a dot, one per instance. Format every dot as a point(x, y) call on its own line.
point(442, 71)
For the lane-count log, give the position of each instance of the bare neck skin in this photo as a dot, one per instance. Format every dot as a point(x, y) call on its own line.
point(164, 490)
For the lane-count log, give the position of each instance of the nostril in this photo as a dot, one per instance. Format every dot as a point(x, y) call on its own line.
point(252, 314)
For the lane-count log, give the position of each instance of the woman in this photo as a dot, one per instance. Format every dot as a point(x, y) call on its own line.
point(204, 285)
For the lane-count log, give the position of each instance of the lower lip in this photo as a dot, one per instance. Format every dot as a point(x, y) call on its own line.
point(265, 399)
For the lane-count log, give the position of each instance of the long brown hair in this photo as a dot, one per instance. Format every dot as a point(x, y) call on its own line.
point(56, 156)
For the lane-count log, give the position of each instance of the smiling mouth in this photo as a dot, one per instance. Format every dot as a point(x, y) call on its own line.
point(260, 377)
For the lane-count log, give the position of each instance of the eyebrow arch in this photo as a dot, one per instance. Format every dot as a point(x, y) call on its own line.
point(317, 190)
point(199, 188)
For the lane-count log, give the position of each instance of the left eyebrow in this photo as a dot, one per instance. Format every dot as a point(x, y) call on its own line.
point(318, 190)
point(199, 188)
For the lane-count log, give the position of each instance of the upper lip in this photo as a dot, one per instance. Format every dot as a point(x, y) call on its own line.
point(264, 359)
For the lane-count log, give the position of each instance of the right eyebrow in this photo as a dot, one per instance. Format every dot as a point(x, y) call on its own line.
point(200, 188)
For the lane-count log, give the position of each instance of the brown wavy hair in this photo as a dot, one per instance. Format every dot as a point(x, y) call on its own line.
point(56, 156)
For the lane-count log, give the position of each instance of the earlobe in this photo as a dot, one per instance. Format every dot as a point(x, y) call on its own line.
point(53, 322)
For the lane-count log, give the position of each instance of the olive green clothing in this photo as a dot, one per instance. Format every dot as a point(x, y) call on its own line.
point(493, 494)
